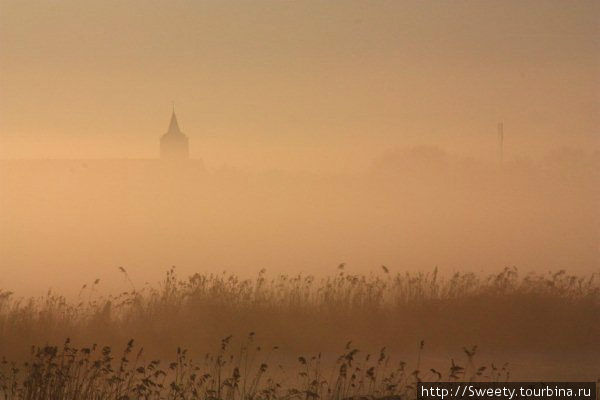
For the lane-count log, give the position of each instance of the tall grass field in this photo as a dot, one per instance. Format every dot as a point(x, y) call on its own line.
point(218, 336)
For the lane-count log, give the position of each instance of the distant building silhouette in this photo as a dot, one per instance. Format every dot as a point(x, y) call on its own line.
point(174, 145)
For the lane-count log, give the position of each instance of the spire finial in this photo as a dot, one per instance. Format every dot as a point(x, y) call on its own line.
point(173, 103)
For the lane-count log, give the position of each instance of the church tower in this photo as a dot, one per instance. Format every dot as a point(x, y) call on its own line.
point(174, 144)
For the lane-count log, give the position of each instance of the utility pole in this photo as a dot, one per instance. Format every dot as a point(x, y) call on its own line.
point(501, 141)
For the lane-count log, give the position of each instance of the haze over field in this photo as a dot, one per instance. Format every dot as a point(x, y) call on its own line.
point(66, 223)
point(358, 132)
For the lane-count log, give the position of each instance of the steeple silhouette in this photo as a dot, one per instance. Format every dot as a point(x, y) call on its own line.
point(174, 144)
point(173, 125)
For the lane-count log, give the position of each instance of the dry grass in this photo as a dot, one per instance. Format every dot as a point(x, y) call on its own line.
point(64, 373)
point(298, 315)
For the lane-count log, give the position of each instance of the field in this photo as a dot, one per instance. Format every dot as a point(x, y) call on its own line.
point(299, 336)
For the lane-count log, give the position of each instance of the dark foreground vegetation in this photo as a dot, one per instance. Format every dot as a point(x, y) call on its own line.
point(97, 373)
point(301, 322)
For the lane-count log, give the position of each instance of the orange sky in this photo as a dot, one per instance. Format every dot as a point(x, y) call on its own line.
point(273, 83)
point(324, 86)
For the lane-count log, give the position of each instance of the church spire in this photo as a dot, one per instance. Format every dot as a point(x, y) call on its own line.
point(174, 144)
point(173, 125)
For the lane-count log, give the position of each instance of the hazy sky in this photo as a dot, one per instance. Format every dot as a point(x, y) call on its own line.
point(336, 81)
point(327, 85)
